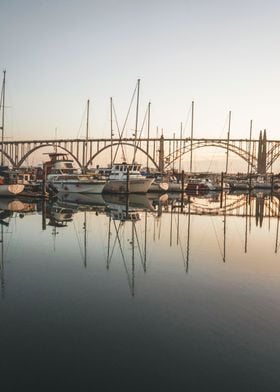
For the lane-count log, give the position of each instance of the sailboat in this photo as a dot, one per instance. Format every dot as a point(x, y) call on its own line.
point(6, 189)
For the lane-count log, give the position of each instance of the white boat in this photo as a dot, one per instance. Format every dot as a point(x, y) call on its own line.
point(126, 178)
point(63, 177)
point(75, 183)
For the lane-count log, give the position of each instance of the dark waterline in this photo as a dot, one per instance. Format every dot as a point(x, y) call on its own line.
point(194, 305)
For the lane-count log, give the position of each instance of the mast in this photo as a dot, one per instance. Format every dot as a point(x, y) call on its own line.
point(86, 142)
point(111, 123)
point(180, 158)
point(191, 157)
point(148, 142)
point(3, 115)
point(228, 135)
point(136, 119)
point(250, 140)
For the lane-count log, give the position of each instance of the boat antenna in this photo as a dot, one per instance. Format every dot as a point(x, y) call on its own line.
point(2, 105)
point(136, 120)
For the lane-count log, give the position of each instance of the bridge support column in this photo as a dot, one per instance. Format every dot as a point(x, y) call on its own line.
point(261, 168)
point(161, 154)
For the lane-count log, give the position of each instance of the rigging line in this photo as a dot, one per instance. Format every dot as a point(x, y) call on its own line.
point(123, 258)
point(130, 105)
point(118, 128)
point(78, 239)
point(83, 117)
point(139, 250)
point(141, 130)
point(113, 249)
point(187, 120)
point(216, 235)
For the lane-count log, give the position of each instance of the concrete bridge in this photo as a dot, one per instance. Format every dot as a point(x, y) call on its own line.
point(161, 153)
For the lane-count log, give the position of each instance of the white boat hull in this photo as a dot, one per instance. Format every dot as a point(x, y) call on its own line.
point(78, 187)
point(139, 185)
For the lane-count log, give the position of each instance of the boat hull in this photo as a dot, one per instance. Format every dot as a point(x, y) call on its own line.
point(132, 186)
point(161, 187)
point(11, 189)
point(78, 187)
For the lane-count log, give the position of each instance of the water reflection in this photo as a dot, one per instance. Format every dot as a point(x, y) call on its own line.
point(187, 281)
point(166, 220)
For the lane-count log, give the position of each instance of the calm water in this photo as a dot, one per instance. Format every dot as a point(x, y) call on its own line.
point(176, 298)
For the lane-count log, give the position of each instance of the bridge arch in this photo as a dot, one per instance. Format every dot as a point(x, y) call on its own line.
point(122, 143)
point(10, 159)
point(242, 153)
point(42, 146)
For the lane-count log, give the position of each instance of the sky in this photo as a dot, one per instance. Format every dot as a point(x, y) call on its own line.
point(223, 55)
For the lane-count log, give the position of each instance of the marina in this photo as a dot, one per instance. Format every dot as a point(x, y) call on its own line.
point(139, 196)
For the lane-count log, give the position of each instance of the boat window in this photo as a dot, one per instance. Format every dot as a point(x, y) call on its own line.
point(130, 168)
point(117, 167)
point(125, 168)
point(121, 168)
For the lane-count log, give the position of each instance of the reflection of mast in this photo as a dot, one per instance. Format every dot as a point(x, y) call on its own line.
point(108, 243)
point(2, 105)
point(188, 238)
point(145, 243)
point(246, 224)
point(225, 225)
point(85, 239)
point(277, 228)
point(2, 277)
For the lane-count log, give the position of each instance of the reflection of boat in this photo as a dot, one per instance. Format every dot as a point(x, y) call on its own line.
point(199, 185)
point(123, 215)
point(262, 183)
point(239, 185)
point(132, 200)
point(127, 207)
point(93, 199)
point(15, 205)
point(125, 178)
point(59, 215)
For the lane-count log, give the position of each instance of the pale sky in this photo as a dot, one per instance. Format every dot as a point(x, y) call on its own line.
point(223, 55)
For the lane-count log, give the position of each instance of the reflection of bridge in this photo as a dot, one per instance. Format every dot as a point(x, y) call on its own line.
point(259, 154)
point(243, 205)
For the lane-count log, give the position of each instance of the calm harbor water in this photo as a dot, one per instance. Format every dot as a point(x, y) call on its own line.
point(155, 294)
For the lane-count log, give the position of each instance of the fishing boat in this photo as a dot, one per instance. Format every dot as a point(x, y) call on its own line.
point(63, 177)
point(127, 178)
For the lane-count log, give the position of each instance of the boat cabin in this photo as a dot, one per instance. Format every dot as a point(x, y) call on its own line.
point(119, 171)
point(59, 163)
